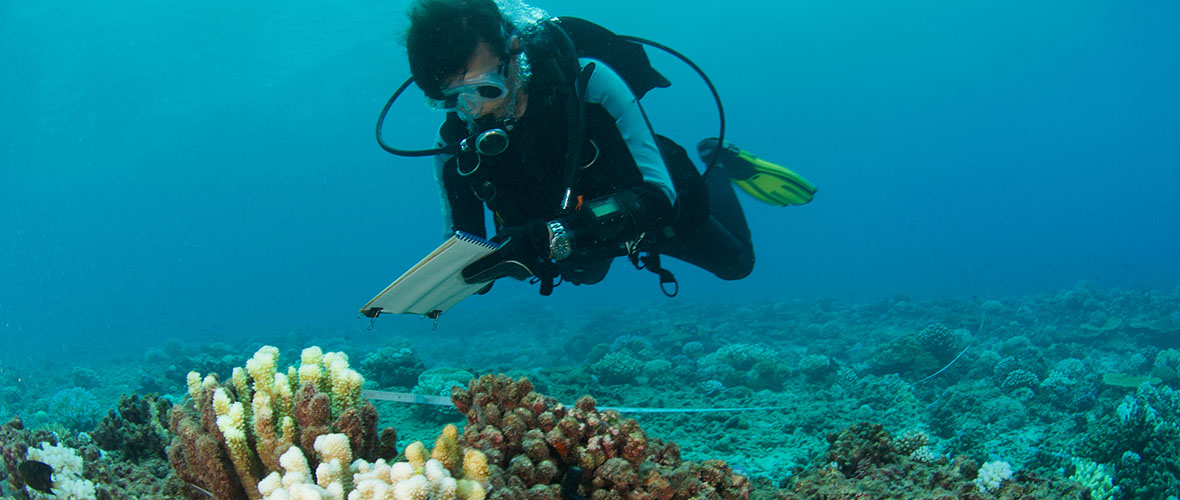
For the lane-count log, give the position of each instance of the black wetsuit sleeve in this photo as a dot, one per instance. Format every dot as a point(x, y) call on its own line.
point(462, 210)
point(645, 207)
point(622, 216)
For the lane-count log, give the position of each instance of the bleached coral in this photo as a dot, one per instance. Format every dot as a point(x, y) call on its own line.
point(1068, 372)
point(1093, 477)
point(421, 478)
point(992, 475)
point(68, 482)
point(295, 483)
point(263, 413)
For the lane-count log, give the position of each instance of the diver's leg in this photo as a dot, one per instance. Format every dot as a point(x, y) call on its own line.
point(724, 205)
point(722, 245)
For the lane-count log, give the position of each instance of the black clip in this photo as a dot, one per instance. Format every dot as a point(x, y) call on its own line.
point(372, 314)
point(651, 262)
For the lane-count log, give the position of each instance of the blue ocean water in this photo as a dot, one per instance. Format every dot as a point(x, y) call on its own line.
point(200, 170)
point(214, 163)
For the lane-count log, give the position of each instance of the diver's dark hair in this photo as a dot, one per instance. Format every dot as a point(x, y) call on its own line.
point(444, 33)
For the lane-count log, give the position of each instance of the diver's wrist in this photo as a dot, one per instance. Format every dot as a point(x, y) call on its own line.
point(561, 241)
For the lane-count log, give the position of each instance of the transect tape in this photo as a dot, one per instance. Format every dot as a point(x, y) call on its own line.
point(626, 409)
point(423, 399)
point(405, 397)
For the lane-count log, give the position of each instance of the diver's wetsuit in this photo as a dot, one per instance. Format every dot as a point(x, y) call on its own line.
point(626, 159)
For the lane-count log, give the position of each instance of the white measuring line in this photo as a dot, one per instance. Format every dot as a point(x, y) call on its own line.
point(423, 399)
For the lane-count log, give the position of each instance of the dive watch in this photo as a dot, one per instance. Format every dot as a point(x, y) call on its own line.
point(560, 244)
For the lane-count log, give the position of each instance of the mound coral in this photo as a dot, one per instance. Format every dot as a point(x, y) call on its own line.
point(76, 408)
point(229, 436)
point(939, 340)
point(533, 444)
point(438, 381)
point(395, 365)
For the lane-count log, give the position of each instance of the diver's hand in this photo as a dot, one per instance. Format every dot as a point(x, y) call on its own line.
point(524, 253)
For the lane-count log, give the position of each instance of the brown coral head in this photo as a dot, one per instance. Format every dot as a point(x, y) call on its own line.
point(618, 472)
point(585, 403)
point(319, 410)
point(303, 401)
point(461, 398)
point(387, 444)
point(570, 427)
point(490, 414)
point(359, 423)
point(561, 444)
point(547, 421)
point(635, 447)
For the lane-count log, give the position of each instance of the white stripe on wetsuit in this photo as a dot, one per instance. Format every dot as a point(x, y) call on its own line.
point(440, 161)
point(607, 88)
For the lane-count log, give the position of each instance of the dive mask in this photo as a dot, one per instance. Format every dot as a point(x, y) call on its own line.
point(468, 97)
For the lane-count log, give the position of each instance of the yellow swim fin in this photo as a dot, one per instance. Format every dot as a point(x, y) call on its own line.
point(766, 181)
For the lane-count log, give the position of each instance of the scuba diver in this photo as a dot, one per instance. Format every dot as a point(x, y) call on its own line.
point(544, 128)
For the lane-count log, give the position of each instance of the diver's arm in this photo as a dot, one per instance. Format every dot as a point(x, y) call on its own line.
point(634, 210)
point(620, 216)
point(607, 89)
point(462, 211)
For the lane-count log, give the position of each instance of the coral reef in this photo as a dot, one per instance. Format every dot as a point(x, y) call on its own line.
point(1077, 384)
point(449, 472)
point(112, 477)
point(393, 365)
point(906, 356)
point(76, 408)
point(537, 442)
point(229, 436)
point(1093, 477)
point(1141, 436)
point(617, 368)
point(67, 471)
point(939, 340)
point(138, 429)
point(439, 381)
point(863, 461)
point(15, 441)
point(755, 366)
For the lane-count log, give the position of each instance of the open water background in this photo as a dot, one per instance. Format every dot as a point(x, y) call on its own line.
point(197, 169)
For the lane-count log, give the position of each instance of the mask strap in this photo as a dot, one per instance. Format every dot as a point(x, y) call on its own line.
point(509, 39)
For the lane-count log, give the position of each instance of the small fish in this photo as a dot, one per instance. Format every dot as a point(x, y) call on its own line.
point(202, 490)
point(37, 475)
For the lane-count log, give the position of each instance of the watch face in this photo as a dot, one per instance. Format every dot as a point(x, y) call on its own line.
point(560, 247)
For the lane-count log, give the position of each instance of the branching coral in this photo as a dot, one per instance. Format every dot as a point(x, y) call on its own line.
point(422, 475)
point(139, 429)
point(228, 436)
